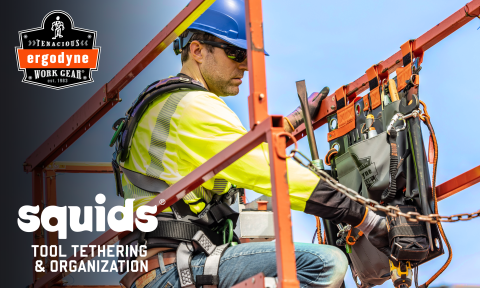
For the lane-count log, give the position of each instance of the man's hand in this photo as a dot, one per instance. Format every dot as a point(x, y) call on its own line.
point(295, 119)
point(375, 229)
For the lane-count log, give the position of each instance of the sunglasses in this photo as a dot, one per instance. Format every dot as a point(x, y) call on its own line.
point(233, 52)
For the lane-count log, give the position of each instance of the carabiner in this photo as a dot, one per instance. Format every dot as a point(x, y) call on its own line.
point(227, 226)
point(395, 118)
point(400, 116)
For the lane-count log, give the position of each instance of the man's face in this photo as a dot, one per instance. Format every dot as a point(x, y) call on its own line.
point(222, 74)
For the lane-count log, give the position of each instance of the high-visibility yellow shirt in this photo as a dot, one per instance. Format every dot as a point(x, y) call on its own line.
point(179, 131)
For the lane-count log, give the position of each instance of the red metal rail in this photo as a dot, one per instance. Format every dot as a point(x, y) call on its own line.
point(257, 101)
point(459, 183)
point(421, 44)
point(87, 286)
point(79, 167)
point(107, 97)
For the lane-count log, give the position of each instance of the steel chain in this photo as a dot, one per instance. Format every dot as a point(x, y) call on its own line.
point(374, 205)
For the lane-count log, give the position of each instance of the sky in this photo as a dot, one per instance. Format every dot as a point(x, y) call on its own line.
point(326, 43)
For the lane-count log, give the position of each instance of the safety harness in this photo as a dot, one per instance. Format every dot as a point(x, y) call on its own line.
point(210, 231)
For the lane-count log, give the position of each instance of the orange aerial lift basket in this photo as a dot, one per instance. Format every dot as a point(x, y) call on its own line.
point(264, 128)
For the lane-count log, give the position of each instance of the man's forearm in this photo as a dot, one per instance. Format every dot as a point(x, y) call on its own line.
point(328, 203)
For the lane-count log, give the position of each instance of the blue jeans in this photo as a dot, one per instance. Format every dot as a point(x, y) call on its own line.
point(317, 265)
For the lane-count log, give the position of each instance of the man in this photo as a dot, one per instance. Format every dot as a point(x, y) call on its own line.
point(57, 26)
point(181, 130)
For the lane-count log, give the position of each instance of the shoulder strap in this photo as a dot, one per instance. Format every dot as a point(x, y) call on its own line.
point(148, 95)
point(143, 182)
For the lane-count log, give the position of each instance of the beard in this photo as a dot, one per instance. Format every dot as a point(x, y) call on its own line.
point(218, 82)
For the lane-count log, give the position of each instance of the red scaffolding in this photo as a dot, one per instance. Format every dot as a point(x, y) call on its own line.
point(264, 128)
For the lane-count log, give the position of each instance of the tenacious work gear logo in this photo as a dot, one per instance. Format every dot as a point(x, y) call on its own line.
point(57, 55)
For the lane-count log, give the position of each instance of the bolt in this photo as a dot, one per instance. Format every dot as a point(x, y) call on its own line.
point(104, 99)
point(253, 280)
point(332, 107)
point(261, 96)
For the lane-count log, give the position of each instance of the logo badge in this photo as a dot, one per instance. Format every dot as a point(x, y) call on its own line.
point(367, 170)
point(57, 55)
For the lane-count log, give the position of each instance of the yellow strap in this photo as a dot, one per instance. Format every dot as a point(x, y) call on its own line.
point(289, 123)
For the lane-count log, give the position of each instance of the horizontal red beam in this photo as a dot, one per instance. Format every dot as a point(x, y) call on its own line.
point(107, 97)
point(71, 130)
point(168, 34)
point(80, 167)
point(177, 191)
point(421, 44)
point(459, 183)
point(88, 286)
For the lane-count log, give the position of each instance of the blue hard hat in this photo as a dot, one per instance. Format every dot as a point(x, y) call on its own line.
point(225, 19)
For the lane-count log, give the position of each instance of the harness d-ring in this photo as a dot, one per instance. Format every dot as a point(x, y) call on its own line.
point(288, 135)
point(411, 79)
point(384, 81)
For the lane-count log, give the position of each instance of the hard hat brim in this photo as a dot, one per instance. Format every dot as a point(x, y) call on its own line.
point(241, 43)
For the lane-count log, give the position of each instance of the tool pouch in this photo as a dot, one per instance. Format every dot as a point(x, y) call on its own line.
point(372, 158)
point(347, 172)
point(408, 240)
point(370, 265)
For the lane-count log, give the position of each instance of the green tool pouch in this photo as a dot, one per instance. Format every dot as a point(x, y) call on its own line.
point(370, 265)
point(347, 172)
point(407, 239)
point(372, 158)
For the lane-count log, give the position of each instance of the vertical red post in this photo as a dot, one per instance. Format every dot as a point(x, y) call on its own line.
point(257, 101)
point(258, 111)
point(286, 264)
point(51, 199)
point(37, 199)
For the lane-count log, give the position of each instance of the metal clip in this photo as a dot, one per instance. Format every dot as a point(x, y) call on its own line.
point(400, 116)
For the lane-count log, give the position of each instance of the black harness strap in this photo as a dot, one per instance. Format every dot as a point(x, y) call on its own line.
point(147, 96)
point(143, 182)
point(389, 194)
point(182, 230)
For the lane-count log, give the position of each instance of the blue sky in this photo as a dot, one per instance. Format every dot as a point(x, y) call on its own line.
point(327, 44)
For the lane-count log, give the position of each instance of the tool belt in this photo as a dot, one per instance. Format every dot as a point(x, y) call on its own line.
point(382, 168)
point(153, 263)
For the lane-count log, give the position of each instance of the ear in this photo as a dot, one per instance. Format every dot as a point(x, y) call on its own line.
point(198, 51)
